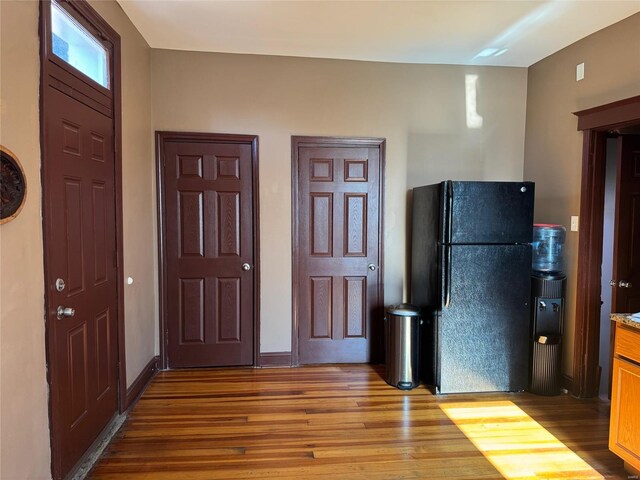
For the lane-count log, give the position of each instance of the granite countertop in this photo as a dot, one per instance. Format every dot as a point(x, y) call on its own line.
point(625, 319)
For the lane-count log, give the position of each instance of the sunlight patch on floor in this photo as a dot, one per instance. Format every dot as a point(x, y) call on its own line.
point(516, 445)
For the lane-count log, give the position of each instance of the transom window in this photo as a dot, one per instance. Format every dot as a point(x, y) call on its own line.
point(72, 43)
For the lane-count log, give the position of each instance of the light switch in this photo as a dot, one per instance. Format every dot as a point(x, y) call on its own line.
point(574, 223)
point(579, 72)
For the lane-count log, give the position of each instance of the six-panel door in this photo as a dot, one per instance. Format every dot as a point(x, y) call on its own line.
point(80, 232)
point(338, 252)
point(209, 253)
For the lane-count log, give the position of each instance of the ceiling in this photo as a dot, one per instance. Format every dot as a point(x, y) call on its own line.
point(507, 33)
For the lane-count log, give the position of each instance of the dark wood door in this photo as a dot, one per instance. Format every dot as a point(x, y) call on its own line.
point(338, 294)
point(80, 237)
point(210, 274)
point(625, 297)
point(626, 263)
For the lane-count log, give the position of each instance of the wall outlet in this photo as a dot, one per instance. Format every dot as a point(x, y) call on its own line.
point(574, 223)
point(579, 72)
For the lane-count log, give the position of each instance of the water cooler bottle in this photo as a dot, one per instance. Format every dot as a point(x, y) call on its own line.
point(548, 285)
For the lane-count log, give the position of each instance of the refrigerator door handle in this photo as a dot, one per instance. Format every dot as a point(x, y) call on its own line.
point(447, 276)
point(449, 231)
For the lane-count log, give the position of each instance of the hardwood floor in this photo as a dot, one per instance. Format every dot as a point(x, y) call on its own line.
point(345, 422)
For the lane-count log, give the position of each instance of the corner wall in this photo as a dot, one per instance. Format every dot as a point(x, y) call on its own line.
point(24, 431)
point(138, 193)
point(553, 146)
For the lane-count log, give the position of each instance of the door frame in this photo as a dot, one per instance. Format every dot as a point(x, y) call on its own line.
point(339, 142)
point(161, 137)
point(71, 83)
point(595, 123)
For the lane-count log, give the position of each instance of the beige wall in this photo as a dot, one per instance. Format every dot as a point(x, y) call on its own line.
point(24, 427)
point(419, 109)
point(24, 431)
point(139, 194)
point(553, 148)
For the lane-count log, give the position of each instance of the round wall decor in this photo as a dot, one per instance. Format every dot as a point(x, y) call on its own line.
point(13, 186)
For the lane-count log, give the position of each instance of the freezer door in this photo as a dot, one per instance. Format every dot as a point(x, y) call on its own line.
point(483, 326)
point(488, 212)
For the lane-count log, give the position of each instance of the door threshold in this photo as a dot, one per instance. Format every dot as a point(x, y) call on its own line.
point(94, 452)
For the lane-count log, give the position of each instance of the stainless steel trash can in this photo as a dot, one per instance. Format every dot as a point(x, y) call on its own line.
point(402, 342)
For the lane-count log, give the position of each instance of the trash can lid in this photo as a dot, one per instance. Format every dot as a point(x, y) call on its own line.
point(404, 310)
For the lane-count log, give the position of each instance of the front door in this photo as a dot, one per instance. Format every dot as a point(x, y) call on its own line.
point(81, 237)
point(208, 217)
point(626, 263)
point(338, 212)
point(80, 227)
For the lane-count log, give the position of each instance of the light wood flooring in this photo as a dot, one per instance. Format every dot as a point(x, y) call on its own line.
point(345, 422)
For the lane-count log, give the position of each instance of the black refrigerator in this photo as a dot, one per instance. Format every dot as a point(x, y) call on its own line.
point(471, 276)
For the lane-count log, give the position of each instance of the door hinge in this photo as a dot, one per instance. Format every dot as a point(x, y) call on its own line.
point(115, 259)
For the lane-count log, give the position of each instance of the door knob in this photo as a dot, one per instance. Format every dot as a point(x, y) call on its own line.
point(65, 312)
point(246, 267)
point(624, 284)
point(373, 267)
point(612, 283)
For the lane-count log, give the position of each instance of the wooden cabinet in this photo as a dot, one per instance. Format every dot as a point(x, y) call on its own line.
point(624, 431)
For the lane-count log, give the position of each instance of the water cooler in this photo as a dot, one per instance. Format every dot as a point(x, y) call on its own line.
point(548, 285)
